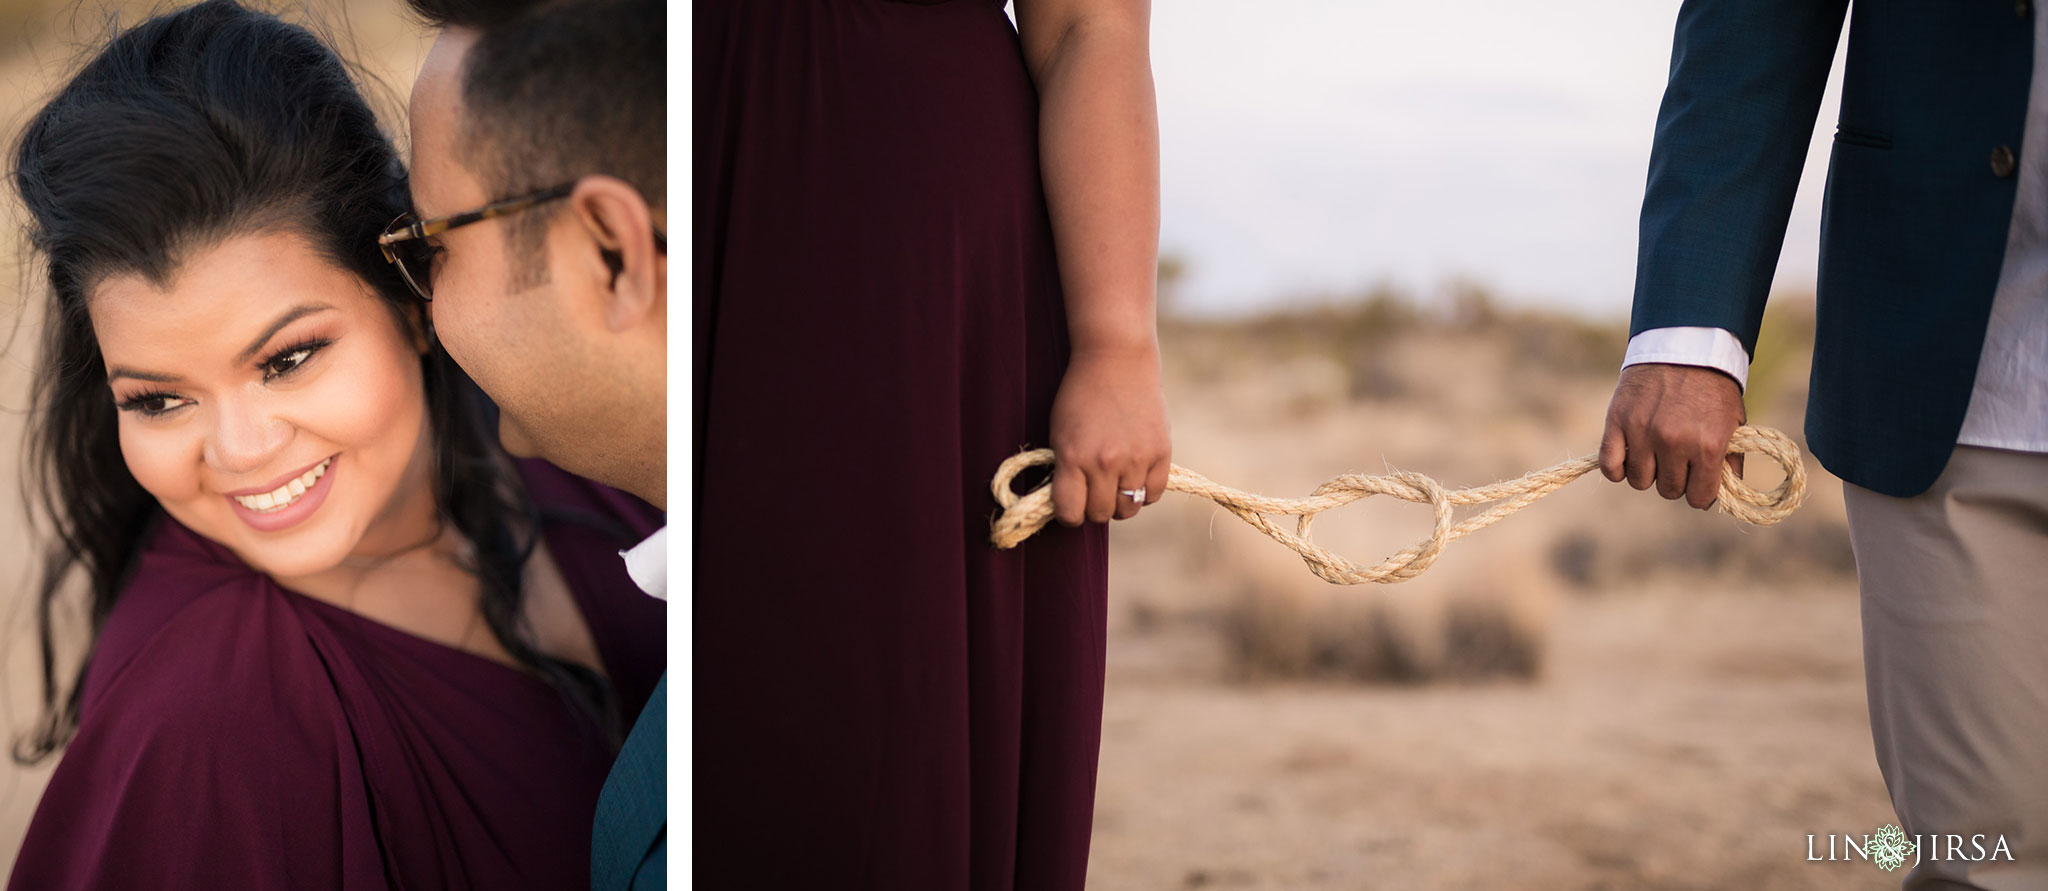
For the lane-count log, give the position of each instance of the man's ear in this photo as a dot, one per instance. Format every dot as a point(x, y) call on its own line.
point(621, 229)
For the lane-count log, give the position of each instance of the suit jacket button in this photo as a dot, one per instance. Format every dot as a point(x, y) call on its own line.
point(2002, 162)
point(2022, 7)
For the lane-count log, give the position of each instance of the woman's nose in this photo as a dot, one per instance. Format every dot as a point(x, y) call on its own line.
point(245, 437)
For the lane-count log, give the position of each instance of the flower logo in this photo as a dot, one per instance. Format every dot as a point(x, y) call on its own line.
point(1890, 847)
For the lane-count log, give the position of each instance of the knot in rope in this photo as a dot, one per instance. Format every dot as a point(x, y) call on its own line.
point(1025, 514)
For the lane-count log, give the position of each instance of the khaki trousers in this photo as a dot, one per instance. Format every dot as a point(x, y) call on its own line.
point(1954, 588)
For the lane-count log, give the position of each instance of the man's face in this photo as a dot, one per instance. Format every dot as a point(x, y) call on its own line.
point(513, 334)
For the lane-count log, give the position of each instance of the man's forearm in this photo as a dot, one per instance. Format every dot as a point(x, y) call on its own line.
point(1733, 129)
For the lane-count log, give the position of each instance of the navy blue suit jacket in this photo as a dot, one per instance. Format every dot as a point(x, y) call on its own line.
point(629, 842)
point(1919, 201)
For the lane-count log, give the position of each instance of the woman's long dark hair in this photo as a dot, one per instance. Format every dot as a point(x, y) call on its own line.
point(191, 127)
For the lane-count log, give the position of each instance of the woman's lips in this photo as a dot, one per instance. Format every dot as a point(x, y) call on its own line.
point(282, 493)
point(286, 505)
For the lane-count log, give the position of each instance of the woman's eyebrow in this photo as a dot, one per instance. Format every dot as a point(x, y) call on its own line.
point(291, 315)
point(118, 372)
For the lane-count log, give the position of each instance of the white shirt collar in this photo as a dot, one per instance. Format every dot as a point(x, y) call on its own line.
point(647, 563)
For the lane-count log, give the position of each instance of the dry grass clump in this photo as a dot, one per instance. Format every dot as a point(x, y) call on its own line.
point(1380, 637)
point(1467, 391)
point(1361, 334)
point(1483, 620)
point(1597, 558)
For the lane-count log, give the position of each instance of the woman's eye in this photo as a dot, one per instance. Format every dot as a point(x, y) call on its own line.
point(289, 361)
point(154, 404)
point(285, 364)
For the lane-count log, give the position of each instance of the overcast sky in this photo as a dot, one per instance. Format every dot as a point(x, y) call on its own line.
point(1318, 146)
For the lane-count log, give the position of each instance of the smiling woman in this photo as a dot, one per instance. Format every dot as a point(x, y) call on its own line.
point(341, 639)
point(227, 395)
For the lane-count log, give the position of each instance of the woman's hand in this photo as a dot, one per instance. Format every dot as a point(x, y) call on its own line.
point(1109, 434)
point(1098, 132)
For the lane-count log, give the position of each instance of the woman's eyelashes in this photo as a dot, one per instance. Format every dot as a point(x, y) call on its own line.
point(288, 361)
point(152, 404)
point(280, 365)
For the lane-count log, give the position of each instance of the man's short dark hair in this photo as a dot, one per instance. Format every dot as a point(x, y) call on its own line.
point(553, 90)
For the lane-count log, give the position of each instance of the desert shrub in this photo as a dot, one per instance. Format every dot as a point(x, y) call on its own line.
point(1294, 626)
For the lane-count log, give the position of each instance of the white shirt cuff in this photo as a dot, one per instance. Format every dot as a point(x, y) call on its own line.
point(647, 564)
point(1704, 347)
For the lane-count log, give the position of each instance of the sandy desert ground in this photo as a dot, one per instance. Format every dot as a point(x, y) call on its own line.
point(1608, 691)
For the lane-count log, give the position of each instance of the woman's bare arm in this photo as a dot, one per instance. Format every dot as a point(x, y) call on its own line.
point(1099, 154)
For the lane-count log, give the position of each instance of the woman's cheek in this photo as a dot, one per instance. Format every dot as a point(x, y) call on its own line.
point(365, 402)
point(164, 462)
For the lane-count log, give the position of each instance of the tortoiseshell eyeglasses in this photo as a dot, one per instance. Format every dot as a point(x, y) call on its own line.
point(404, 241)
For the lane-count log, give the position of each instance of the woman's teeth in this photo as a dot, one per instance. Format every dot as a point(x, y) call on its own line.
point(285, 494)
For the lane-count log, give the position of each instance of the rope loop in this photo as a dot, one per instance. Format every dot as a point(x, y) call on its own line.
point(1023, 515)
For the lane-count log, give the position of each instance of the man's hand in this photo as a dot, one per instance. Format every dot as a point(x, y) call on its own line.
point(1669, 425)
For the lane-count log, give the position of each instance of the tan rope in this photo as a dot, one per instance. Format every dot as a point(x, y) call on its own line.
point(1026, 514)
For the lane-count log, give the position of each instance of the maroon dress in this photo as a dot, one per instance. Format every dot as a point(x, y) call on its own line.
point(236, 734)
point(882, 700)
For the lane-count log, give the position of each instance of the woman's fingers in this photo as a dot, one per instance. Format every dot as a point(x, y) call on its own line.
point(1069, 493)
point(1131, 480)
point(1102, 495)
point(1147, 477)
point(1094, 490)
point(1109, 429)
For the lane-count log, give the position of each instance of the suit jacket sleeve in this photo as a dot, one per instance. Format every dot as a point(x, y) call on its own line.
point(1732, 134)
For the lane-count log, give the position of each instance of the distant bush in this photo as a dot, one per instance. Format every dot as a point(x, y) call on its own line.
point(1284, 623)
point(1359, 332)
